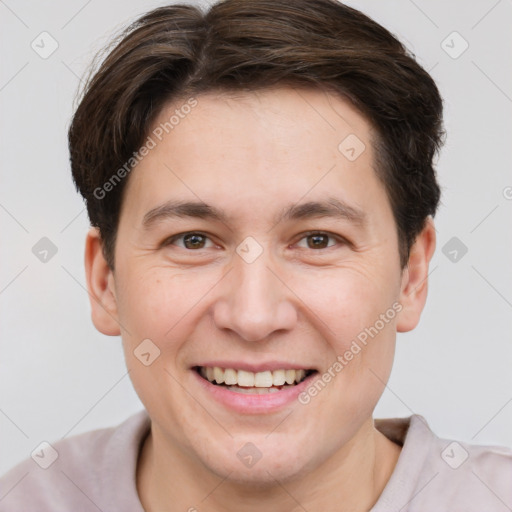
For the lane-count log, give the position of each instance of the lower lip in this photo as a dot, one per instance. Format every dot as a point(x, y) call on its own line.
point(253, 404)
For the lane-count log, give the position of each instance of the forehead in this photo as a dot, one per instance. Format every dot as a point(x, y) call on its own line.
point(259, 150)
point(278, 115)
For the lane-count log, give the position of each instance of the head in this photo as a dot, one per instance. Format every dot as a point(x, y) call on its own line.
point(305, 135)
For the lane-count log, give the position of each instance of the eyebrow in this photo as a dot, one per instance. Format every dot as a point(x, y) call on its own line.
point(331, 207)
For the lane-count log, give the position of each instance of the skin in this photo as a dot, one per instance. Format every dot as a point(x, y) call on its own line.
point(252, 154)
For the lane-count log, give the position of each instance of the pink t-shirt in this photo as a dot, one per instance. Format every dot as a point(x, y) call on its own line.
point(96, 471)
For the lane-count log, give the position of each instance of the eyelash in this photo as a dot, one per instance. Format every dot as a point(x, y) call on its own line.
point(340, 240)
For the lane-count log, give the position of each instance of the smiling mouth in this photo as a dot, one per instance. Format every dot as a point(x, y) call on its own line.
point(241, 381)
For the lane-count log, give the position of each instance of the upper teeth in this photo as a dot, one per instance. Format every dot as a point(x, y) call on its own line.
point(266, 379)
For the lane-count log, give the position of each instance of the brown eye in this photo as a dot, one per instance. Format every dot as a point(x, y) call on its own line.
point(317, 241)
point(191, 241)
point(194, 241)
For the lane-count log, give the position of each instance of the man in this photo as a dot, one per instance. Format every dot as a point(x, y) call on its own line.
point(260, 184)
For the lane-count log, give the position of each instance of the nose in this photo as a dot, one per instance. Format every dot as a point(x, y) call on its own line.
point(254, 302)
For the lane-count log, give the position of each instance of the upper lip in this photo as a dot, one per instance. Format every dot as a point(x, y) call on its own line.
point(254, 367)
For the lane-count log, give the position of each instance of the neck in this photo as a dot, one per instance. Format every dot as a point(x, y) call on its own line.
point(352, 479)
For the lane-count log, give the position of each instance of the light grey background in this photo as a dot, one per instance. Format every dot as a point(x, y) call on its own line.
point(60, 377)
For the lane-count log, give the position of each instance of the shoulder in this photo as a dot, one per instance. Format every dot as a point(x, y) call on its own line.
point(476, 477)
point(440, 474)
point(83, 472)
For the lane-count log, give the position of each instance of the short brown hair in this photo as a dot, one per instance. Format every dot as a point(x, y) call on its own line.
point(240, 45)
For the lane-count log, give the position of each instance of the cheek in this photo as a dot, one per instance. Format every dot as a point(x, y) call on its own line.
point(357, 311)
point(156, 301)
point(348, 300)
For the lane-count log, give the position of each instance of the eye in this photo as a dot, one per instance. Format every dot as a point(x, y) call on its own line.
point(191, 241)
point(319, 240)
point(194, 240)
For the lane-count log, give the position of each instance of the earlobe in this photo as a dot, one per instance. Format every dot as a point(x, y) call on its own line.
point(100, 285)
point(414, 287)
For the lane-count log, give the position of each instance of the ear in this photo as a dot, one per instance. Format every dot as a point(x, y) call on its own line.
point(414, 287)
point(100, 285)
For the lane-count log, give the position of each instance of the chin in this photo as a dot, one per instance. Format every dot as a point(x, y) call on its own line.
point(262, 475)
point(254, 467)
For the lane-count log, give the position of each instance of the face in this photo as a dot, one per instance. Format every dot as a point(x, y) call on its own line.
point(294, 260)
